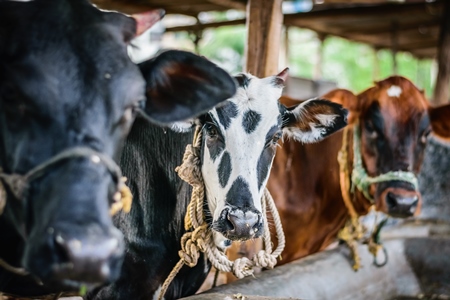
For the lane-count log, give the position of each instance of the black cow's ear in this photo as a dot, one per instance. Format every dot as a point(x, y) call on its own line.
point(182, 85)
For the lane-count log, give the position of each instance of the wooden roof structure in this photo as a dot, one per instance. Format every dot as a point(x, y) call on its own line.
point(421, 27)
point(408, 25)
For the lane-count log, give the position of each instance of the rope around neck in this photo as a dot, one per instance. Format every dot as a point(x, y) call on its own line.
point(199, 238)
point(362, 181)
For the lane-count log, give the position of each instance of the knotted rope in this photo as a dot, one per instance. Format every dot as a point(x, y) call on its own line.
point(199, 237)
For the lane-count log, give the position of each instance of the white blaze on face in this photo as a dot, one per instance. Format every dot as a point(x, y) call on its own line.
point(243, 142)
point(394, 91)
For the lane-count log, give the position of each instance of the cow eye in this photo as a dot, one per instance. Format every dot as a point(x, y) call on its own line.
point(211, 130)
point(371, 131)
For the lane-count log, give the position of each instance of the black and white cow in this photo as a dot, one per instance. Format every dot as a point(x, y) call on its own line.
point(238, 145)
point(68, 97)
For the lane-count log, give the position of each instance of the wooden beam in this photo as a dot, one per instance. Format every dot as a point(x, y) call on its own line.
point(229, 4)
point(264, 24)
point(388, 10)
point(441, 90)
point(127, 8)
point(205, 25)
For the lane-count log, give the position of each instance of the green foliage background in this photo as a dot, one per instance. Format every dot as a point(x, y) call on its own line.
point(351, 65)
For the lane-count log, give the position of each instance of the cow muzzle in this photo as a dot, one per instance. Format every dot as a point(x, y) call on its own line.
point(239, 224)
point(88, 260)
point(401, 203)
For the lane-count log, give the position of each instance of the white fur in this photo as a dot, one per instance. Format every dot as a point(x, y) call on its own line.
point(394, 91)
point(156, 294)
point(244, 149)
point(182, 126)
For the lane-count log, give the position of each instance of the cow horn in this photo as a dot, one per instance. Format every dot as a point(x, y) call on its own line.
point(147, 19)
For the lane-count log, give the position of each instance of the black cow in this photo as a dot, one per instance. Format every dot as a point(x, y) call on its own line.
point(68, 97)
point(239, 139)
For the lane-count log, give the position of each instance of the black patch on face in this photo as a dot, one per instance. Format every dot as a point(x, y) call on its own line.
point(227, 112)
point(375, 118)
point(251, 121)
point(266, 157)
point(239, 194)
point(243, 80)
point(225, 169)
point(215, 143)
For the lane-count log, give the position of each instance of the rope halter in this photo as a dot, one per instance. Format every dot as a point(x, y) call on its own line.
point(362, 181)
point(18, 184)
point(199, 238)
point(354, 230)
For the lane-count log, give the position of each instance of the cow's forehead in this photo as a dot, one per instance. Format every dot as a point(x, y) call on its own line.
point(259, 95)
point(398, 99)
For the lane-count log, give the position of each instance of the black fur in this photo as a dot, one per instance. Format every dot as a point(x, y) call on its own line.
point(225, 169)
point(154, 226)
point(250, 121)
point(226, 113)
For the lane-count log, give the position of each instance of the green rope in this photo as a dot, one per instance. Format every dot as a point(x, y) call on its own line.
point(362, 181)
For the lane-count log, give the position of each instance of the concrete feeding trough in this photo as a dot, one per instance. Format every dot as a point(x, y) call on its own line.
point(418, 268)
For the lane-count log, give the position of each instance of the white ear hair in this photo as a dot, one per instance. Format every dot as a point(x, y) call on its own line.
point(182, 126)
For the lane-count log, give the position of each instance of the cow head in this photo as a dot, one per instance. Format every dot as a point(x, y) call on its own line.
point(239, 141)
point(392, 121)
point(66, 82)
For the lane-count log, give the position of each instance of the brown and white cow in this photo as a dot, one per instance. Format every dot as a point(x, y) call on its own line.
point(394, 120)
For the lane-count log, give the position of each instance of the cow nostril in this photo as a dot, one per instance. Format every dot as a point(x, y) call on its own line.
point(230, 223)
point(414, 204)
point(391, 200)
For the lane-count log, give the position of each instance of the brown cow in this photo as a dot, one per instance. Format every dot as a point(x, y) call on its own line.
point(395, 119)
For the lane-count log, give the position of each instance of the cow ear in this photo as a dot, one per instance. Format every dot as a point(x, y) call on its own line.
point(181, 85)
point(440, 121)
point(313, 120)
point(348, 100)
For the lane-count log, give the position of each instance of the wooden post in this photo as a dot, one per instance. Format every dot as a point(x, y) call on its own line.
point(264, 23)
point(394, 45)
point(441, 89)
point(319, 63)
point(376, 65)
point(287, 47)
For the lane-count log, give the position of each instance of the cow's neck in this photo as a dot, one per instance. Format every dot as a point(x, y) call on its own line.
point(154, 226)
